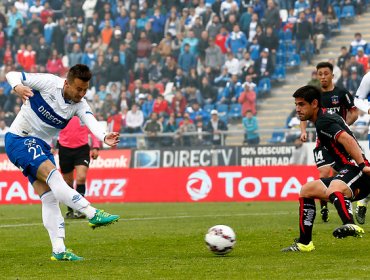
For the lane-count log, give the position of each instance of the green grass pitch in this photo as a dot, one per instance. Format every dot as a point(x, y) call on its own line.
point(166, 241)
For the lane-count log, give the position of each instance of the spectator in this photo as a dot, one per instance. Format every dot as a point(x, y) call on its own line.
point(270, 41)
point(353, 83)
point(55, 64)
point(207, 91)
point(144, 48)
point(178, 104)
point(336, 70)
point(195, 112)
point(220, 39)
point(215, 128)
point(303, 35)
point(161, 106)
point(151, 129)
point(185, 132)
point(356, 43)
point(248, 99)
point(170, 127)
point(152, 89)
point(107, 106)
point(314, 80)
point(214, 28)
point(169, 70)
point(165, 45)
point(142, 73)
point(343, 81)
point(124, 100)
point(343, 58)
point(187, 59)
point(75, 56)
point(250, 125)
point(116, 72)
point(213, 56)
point(158, 22)
point(300, 6)
point(134, 119)
point(362, 58)
point(252, 30)
point(271, 16)
point(320, 30)
point(354, 66)
point(236, 42)
point(232, 64)
point(264, 66)
point(172, 25)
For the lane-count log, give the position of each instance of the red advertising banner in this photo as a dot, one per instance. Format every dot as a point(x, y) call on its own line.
point(190, 184)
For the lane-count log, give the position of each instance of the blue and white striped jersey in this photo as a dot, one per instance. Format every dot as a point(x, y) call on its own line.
point(46, 112)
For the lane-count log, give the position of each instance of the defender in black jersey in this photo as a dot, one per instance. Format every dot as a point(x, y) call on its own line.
point(352, 181)
point(335, 100)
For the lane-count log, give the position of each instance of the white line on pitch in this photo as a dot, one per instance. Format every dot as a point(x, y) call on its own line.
point(164, 218)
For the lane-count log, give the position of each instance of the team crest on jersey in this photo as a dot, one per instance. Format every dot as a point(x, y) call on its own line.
point(335, 100)
point(343, 171)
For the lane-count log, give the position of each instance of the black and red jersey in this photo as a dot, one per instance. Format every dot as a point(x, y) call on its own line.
point(338, 100)
point(329, 126)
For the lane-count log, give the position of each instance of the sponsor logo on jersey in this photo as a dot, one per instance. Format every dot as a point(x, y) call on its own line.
point(45, 112)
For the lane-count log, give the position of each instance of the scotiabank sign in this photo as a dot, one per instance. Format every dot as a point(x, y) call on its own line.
point(107, 159)
point(177, 184)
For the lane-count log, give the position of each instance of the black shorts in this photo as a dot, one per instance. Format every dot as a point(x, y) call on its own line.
point(357, 182)
point(70, 157)
point(322, 157)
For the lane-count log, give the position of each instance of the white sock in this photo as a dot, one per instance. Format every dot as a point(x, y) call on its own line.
point(67, 195)
point(53, 221)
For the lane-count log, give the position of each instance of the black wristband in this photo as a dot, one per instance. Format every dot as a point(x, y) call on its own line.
point(362, 165)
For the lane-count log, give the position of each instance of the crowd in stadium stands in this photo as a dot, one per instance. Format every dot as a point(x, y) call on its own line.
point(170, 66)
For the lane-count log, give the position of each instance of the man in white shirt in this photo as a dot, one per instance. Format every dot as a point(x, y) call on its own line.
point(49, 102)
point(134, 119)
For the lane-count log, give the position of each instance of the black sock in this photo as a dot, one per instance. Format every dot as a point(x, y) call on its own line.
point(307, 214)
point(343, 206)
point(81, 189)
point(323, 204)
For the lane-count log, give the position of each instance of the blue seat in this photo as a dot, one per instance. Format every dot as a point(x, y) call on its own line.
point(277, 137)
point(279, 73)
point(264, 87)
point(348, 12)
point(235, 111)
point(294, 60)
point(208, 108)
point(222, 110)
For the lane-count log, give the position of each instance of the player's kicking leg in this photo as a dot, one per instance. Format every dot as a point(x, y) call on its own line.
point(344, 208)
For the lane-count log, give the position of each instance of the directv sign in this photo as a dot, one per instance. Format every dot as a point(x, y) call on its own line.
point(147, 158)
point(225, 156)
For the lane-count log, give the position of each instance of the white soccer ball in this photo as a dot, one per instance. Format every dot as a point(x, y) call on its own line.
point(220, 239)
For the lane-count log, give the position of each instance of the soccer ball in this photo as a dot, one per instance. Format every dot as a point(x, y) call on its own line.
point(220, 239)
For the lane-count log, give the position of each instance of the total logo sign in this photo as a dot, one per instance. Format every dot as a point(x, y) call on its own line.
point(237, 186)
point(199, 185)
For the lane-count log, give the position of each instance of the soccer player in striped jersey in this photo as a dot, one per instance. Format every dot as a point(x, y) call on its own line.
point(49, 102)
point(337, 100)
point(350, 184)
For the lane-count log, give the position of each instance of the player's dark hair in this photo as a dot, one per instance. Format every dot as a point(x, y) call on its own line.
point(325, 64)
point(79, 71)
point(309, 94)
